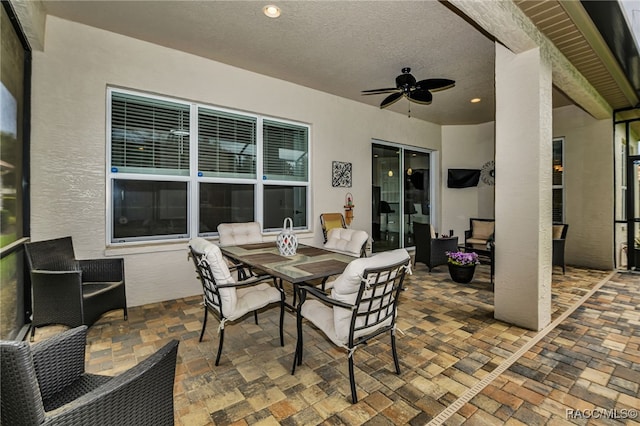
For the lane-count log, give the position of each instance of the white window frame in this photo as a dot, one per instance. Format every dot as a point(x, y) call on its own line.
point(193, 180)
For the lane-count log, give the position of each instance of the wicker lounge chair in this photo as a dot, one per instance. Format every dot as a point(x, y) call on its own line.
point(45, 384)
point(69, 291)
point(559, 242)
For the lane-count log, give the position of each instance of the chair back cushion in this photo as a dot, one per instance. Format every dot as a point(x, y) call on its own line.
point(482, 229)
point(51, 255)
point(332, 220)
point(349, 241)
point(558, 230)
point(233, 234)
point(19, 390)
point(347, 285)
point(219, 270)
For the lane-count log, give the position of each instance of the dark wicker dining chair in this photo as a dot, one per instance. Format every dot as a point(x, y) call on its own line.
point(46, 384)
point(362, 305)
point(69, 291)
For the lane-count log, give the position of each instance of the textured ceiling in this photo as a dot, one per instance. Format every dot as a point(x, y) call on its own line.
point(337, 47)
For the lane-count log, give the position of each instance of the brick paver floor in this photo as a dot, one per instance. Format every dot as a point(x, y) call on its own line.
point(450, 344)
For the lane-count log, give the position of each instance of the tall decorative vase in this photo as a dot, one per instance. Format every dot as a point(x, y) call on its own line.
point(461, 274)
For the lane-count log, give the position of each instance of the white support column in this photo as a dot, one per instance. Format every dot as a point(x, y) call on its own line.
point(523, 188)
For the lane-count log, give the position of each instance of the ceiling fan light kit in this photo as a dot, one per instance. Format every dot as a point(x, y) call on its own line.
point(415, 91)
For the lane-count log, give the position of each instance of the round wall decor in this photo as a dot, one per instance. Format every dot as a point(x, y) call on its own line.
point(488, 173)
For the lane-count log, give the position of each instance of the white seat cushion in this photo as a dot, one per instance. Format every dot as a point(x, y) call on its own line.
point(252, 298)
point(233, 234)
point(335, 323)
point(476, 241)
point(349, 241)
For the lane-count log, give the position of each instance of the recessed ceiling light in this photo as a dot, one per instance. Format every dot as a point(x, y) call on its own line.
point(271, 11)
point(475, 100)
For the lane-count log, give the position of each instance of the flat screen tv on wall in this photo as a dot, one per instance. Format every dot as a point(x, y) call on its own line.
point(463, 178)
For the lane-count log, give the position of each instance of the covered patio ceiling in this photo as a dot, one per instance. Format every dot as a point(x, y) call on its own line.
point(345, 47)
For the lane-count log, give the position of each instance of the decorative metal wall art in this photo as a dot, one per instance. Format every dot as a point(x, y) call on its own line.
point(341, 174)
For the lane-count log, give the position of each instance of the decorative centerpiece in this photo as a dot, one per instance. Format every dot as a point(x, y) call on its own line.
point(287, 241)
point(462, 265)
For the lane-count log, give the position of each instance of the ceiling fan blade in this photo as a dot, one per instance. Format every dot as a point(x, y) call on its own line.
point(378, 91)
point(435, 84)
point(420, 96)
point(390, 99)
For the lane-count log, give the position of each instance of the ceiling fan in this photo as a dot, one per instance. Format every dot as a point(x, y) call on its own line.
point(415, 91)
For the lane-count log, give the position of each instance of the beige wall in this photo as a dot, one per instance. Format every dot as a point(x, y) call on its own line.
point(588, 182)
point(466, 147)
point(588, 186)
point(69, 144)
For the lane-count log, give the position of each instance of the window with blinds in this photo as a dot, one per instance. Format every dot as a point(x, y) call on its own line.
point(226, 144)
point(170, 158)
point(149, 135)
point(285, 151)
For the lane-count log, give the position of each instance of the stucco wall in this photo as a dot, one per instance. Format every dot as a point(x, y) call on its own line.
point(588, 186)
point(69, 143)
point(588, 182)
point(466, 147)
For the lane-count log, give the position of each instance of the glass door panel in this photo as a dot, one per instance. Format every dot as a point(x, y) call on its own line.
point(386, 197)
point(633, 240)
point(416, 206)
point(626, 142)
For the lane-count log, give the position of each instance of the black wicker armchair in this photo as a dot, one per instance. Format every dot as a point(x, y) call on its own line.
point(69, 291)
point(559, 241)
point(45, 384)
point(432, 251)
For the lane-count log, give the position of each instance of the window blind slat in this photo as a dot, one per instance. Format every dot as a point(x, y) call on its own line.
point(149, 135)
point(226, 144)
point(286, 151)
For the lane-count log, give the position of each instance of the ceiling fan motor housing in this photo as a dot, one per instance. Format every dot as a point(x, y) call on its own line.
point(405, 81)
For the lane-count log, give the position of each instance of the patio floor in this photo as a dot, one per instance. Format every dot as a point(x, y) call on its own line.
point(459, 365)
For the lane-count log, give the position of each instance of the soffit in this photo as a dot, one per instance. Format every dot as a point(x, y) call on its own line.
point(568, 27)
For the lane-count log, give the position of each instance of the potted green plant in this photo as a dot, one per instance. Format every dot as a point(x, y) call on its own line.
point(462, 265)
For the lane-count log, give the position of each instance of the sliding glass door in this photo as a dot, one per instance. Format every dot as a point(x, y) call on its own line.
point(401, 179)
point(627, 184)
point(386, 196)
point(416, 192)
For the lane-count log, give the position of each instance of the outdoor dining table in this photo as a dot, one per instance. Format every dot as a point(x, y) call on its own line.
point(308, 264)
